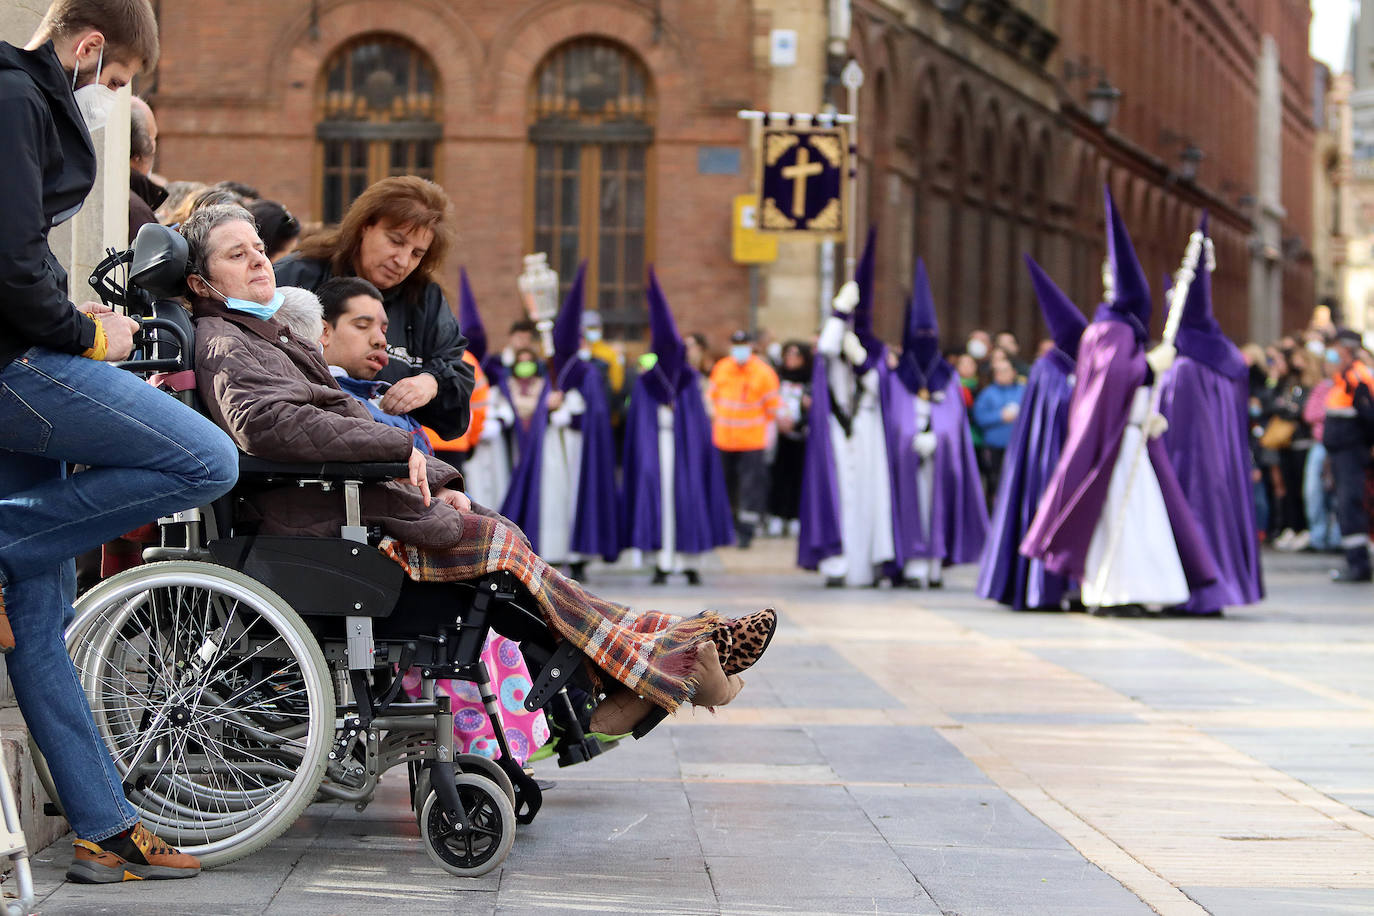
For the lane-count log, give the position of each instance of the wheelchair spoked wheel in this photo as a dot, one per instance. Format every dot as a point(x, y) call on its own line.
point(214, 699)
point(485, 844)
point(468, 763)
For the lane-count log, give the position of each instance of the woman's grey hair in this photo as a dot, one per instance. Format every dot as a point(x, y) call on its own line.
point(198, 226)
point(302, 312)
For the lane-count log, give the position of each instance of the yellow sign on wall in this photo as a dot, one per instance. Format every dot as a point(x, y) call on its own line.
point(750, 245)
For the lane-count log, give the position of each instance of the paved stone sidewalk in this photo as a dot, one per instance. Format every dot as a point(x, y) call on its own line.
point(915, 753)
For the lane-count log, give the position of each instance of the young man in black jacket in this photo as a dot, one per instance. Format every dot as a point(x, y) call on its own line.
point(61, 403)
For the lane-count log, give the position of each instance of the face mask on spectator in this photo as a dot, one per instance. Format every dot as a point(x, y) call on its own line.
point(1333, 357)
point(740, 353)
point(95, 100)
point(524, 369)
point(977, 349)
point(1316, 348)
point(592, 334)
point(248, 306)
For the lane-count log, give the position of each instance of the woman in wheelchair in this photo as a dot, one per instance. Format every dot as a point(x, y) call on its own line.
point(273, 393)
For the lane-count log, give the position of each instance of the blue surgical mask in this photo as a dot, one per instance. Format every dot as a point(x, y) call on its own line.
point(249, 307)
point(740, 353)
point(593, 335)
point(1333, 357)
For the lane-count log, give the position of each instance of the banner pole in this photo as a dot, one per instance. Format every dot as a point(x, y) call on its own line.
point(853, 78)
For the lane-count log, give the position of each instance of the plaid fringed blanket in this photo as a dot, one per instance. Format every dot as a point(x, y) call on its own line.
point(650, 652)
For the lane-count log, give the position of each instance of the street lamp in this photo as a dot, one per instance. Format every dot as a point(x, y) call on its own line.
point(1189, 160)
point(1102, 98)
point(1102, 102)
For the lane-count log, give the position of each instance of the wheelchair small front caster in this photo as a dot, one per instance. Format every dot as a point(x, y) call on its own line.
point(467, 763)
point(484, 845)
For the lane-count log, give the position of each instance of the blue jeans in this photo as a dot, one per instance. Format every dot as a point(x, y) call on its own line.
point(149, 456)
point(1320, 503)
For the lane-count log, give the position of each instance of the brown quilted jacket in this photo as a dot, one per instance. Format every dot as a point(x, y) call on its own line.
point(272, 392)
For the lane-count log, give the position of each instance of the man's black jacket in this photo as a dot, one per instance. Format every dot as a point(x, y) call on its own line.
point(422, 336)
point(49, 168)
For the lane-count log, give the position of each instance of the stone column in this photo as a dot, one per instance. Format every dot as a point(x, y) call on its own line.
point(791, 301)
point(1266, 245)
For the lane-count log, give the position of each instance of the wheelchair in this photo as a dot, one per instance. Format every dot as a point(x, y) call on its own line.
point(237, 678)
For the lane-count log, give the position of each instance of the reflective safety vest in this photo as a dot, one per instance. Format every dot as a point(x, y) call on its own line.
point(477, 408)
point(745, 399)
point(1340, 400)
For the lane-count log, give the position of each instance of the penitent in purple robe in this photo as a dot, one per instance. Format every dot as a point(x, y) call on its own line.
point(595, 523)
point(1111, 367)
point(701, 513)
point(1036, 441)
point(958, 512)
point(1205, 397)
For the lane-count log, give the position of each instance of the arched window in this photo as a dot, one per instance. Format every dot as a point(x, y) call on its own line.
point(591, 115)
point(378, 116)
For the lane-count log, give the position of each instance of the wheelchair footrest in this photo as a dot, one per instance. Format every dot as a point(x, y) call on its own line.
point(572, 752)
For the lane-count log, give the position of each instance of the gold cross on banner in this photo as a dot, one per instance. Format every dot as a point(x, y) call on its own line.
point(800, 173)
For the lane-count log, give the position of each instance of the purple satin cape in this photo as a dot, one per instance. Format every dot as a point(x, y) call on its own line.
point(1208, 446)
point(701, 504)
point(1111, 366)
point(959, 514)
point(819, 510)
point(595, 526)
point(1036, 442)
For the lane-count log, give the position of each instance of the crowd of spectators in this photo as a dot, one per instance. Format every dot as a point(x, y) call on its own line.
point(1297, 486)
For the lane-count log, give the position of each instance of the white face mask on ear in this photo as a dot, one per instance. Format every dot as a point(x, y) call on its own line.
point(95, 101)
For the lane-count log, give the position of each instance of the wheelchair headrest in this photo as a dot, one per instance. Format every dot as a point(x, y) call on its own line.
point(159, 264)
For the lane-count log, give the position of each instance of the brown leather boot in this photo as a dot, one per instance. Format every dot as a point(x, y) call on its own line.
point(137, 856)
point(714, 686)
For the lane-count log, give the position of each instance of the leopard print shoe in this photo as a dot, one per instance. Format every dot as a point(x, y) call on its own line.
point(746, 639)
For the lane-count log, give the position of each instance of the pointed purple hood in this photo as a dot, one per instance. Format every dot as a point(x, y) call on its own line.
point(1199, 335)
point(863, 312)
point(469, 319)
point(922, 366)
point(1062, 317)
point(567, 331)
point(664, 379)
point(1130, 290)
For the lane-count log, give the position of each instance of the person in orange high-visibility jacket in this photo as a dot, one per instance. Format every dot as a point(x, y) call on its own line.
point(456, 451)
point(743, 392)
point(1347, 437)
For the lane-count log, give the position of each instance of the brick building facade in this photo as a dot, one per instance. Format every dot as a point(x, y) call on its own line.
point(977, 138)
point(984, 149)
point(271, 120)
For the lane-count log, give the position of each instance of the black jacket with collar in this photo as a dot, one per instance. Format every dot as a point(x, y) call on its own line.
point(422, 336)
point(49, 170)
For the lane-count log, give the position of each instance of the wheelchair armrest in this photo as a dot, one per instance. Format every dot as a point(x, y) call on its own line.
point(259, 469)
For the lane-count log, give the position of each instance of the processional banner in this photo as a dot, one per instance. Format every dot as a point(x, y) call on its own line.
point(801, 177)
